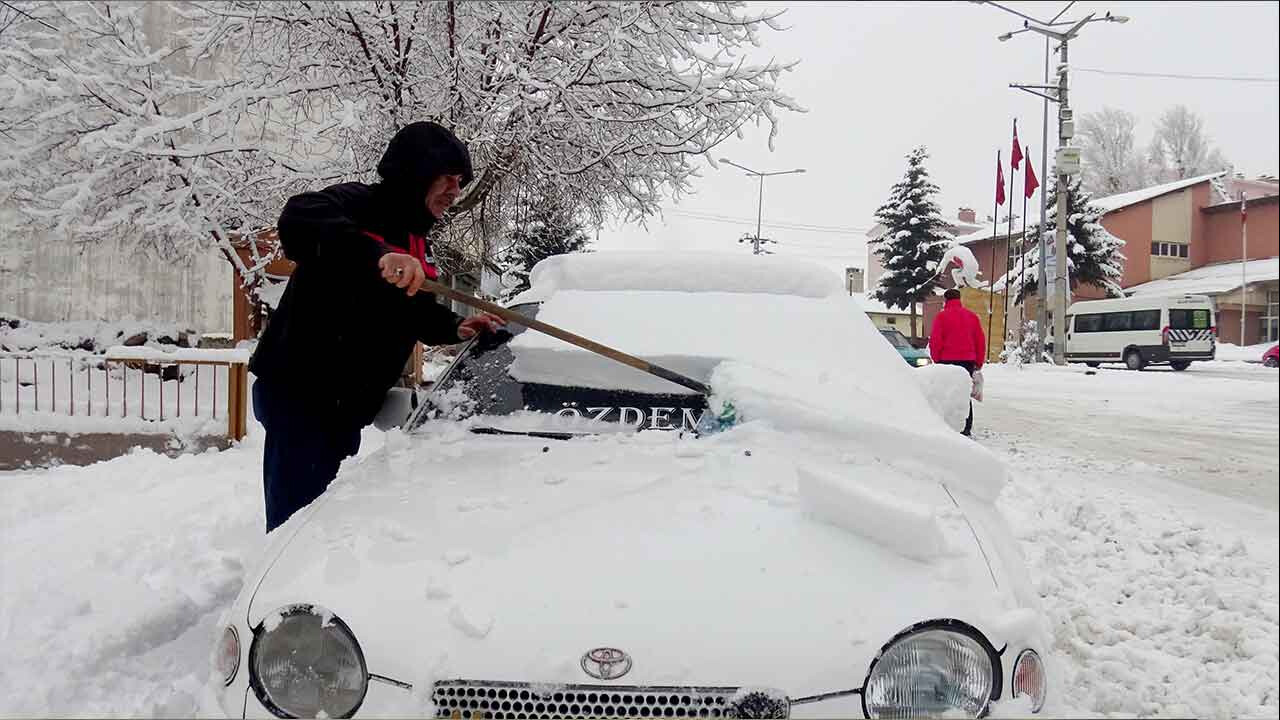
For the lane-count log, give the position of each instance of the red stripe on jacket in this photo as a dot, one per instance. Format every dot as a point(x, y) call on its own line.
point(417, 249)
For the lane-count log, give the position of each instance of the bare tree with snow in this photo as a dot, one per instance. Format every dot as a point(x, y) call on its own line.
point(183, 137)
point(1112, 161)
point(1181, 147)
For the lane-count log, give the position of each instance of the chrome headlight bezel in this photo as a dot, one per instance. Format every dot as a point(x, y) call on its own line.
point(1031, 656)
point(950, 625)
point(332, 622)
point(228, 646)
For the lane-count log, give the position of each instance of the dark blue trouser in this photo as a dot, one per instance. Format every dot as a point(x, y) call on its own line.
point(302, 454)
point(971, 367)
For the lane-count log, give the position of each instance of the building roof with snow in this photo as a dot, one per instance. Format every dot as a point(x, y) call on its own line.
point(1111, 203)
point(1211, 279)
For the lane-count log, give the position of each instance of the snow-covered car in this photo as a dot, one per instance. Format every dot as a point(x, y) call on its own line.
point(1271, 358)
point(812, 540)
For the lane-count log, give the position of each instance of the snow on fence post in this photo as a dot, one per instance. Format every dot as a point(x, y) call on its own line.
point(236, 363)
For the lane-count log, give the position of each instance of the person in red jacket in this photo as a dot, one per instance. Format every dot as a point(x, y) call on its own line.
point(957, 339)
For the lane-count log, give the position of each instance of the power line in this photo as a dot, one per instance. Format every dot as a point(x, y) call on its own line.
point(1177, 76)
point(789, 226)
point(712, 217)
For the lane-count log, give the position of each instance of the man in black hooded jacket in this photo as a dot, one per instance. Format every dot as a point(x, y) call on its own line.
point(351, 313)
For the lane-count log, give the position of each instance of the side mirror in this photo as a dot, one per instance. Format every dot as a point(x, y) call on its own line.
point(396, 408)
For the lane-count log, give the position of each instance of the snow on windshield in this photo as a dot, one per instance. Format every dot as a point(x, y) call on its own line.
point(801, 364)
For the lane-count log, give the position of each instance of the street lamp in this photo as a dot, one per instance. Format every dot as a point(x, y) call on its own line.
point(755, 242)
point(1066, 129)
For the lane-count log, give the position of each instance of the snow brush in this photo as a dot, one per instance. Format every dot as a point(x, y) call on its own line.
point(560, 334)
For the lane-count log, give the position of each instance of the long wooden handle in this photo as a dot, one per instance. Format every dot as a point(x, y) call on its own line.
point(565, 335)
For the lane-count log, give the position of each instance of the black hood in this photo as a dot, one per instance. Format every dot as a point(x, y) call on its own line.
point(418, 154)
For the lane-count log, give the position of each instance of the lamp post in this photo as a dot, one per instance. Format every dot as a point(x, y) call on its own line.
point(756, 241)
point(1066, 130)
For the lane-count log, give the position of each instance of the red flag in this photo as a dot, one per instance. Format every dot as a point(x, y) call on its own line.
point(999, 181)
point(1015, 157)
point(1031, 183)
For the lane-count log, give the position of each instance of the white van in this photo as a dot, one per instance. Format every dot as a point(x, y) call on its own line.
point(1142, 330)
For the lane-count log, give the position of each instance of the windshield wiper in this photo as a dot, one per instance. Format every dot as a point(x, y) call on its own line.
point(544, 434)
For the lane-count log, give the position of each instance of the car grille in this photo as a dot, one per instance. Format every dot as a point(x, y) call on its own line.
point(474, 699)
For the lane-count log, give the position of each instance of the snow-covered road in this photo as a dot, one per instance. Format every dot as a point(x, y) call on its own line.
point(1212, 427)
point(1145, 502)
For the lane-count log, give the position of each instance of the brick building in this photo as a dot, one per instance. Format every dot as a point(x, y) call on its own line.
point(1183, 236)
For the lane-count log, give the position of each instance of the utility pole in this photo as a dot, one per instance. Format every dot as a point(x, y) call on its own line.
point(757, 241)
point(1042, 310)
point(1062, 286)
point(1066, 129)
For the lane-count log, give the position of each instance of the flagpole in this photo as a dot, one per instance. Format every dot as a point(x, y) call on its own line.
point(1244, 257)
point(1022, 276)
point(1008, 242)
point(995, 222)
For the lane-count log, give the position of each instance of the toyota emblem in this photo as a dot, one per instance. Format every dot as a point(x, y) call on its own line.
point(606, 663)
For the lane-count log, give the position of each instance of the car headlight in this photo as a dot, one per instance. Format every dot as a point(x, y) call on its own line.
point(304, 661)
point(1029, 679)
point(933, 669)
point(226, 655)
point(921, 362)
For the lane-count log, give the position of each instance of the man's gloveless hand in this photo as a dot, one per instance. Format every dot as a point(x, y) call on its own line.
point(402, 270)
point(480, 322)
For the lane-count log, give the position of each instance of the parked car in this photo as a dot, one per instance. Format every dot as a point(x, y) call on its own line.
point(1271, 358)
point(557, 535)
point(915, 357)
point(1142, 330)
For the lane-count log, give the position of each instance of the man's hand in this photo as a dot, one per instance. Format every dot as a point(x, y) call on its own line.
point(403, 271)
point(478, 323)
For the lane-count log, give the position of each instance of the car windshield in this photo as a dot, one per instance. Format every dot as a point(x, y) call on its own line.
point(896, 338)
point(479, 384)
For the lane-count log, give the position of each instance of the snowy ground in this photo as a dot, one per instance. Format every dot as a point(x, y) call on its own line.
point(1146, 504)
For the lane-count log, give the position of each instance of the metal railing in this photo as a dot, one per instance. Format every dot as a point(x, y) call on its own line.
point(151, 390)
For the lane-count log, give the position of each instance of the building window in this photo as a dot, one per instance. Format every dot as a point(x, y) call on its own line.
point(1168, 249)
point(1268, 330)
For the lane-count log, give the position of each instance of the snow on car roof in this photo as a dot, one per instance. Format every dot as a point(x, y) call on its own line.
point(689, 272)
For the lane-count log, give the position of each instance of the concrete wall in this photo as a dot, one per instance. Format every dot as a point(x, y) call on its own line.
point(55, 281)
point(1170, 222)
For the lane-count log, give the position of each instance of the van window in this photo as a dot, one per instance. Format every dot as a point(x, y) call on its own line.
point(1089, 323)
point(1189, 319)
point(1146, 320)
point(1118, 321)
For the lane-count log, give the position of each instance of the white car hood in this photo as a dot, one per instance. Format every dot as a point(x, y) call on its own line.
point(453, 555)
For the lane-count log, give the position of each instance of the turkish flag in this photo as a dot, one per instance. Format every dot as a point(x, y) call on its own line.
point(1031, 183)
point(1015, 157)
point(999, 181)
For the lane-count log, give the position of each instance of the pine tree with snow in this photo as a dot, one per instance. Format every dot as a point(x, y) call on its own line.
point(547, 227)
point(914, 240)
point(1094, 255)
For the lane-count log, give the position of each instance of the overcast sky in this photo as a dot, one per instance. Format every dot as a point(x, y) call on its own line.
point(880, 78)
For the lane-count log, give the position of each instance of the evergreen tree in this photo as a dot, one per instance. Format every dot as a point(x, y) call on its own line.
point(1094, 255)
point(547, 226)
point(914, 240)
